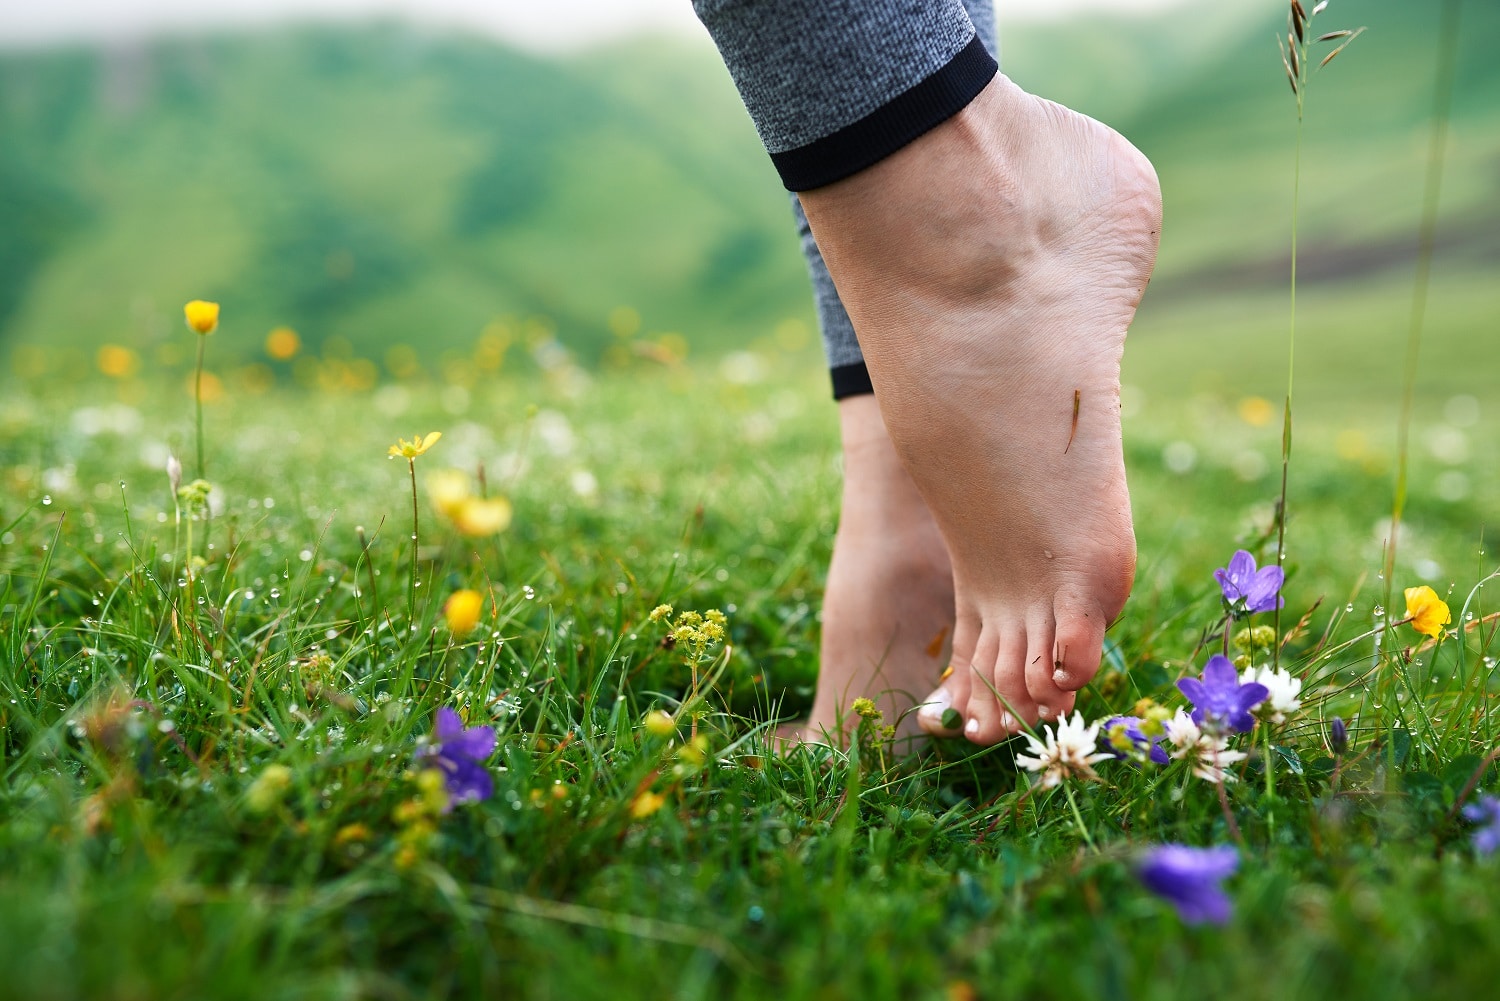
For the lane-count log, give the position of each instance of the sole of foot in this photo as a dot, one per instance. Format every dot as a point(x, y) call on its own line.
point(992, 268)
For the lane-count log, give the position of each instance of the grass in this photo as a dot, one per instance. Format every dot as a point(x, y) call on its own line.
point(141, 705)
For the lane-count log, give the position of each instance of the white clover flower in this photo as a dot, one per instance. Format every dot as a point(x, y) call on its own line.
point(1208, 755)
point(1070, 751)
point(1284, 690)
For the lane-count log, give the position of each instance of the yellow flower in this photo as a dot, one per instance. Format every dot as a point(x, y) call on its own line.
point(461, 611)
point(282, 343)
point(117, 362)
point(266, 791)
point(1428, 613)
point(415, 447)
point(660, 723)
point(448, 489)
point(481, 516)
point(202, 317)
point(646, 804)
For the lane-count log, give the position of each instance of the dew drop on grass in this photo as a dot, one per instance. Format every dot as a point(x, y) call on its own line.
point(1379, 611)
point(46, 499)
point(526, 590)
point(1349, 607)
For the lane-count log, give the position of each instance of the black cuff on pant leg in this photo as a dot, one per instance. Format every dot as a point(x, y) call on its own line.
point(890, 126)
point(850, 380)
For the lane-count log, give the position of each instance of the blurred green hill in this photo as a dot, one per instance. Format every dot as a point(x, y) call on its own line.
point(388, 186)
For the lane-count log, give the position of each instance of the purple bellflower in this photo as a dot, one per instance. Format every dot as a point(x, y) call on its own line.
point(460, 754)
point(1247, 589)
point(1486, 813)
point(1188, 879)
point(1220, 702)
point(1122, 738)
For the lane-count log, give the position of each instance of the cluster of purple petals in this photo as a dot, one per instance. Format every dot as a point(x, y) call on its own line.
point(1486, 813)
point(1247, 589)
point(460, 755)
point(1219, 701)
point(1149, 746)
point(1188, 879)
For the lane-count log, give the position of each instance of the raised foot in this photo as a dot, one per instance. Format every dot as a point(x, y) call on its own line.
point(992, 268)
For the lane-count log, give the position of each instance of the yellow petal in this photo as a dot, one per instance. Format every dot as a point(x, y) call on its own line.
point(1428, 613)
point(202, 317)
point(429, 441)
point(480, 516)
point(461, 611)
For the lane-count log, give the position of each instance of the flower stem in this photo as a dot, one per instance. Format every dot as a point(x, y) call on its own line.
point(198, 402)
point(1078, 817)
point(411, 590)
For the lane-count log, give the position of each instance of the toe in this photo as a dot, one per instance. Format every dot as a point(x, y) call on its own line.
point(999, 702)
point(1080, 644)
point(1041, 637)
point(954, 686)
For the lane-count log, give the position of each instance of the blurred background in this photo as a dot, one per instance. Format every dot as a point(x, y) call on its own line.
point(356, 181)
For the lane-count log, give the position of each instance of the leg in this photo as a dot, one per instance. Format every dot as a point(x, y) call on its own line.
point(991, 261)
point(888, 603)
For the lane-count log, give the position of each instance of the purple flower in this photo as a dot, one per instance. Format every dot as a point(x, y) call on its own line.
point(1486, 813)
point(1121, 737)
point(460, 754)
point(1247, 589)
point(1220, 702)
point(1188, 879)
point(1338, 735)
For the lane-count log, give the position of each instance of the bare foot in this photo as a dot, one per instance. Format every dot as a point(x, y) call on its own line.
point(888, 607)
point(991, 268)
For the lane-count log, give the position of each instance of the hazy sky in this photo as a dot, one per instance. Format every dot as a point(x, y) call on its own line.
point(543, 24)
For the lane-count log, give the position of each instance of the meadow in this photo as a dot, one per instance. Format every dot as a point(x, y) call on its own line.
point(363, 683)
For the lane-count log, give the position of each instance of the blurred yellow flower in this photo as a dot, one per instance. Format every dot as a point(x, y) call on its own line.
point(461, 611)
point(1428, 613)
point(202, 317)
point(478, 517)
point(645, 804)
point(117, 362)
point(660, 723)
point(282, 343)
point(415, 447)
point(267, 789)
point(448, 489)
point(1256, 411)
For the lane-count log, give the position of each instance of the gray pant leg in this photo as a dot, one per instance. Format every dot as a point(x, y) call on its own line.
point(846, 363)
point(834, 86)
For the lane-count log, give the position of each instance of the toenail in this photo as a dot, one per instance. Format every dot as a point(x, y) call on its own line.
point(972, 727)
point(935, 706)
point(1009, 722)
point(1061, 678)
point(1044, 712)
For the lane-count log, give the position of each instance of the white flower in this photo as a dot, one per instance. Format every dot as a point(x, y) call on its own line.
point(1209, 755)
point(1283, 688)
point(1070, 751)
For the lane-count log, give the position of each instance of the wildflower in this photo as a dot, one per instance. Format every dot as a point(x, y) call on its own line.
point(1126, 738)
point(481, 516)
point(267, 789)
point(418, 445)
point(202, 317)
point(174, 473)
point(1486, 813)
point(1338, 736)
point(1428, 613)
point(1220, 701)
point(282, 343)
point(461, 611)
point(1247, 589)
point(1188, 879)
point(116, 361)
point(660, 723)
point(660, 612)
point(447, 489)
point(1255, 639)
point(1208, 754)
point(645, 804)
point(1282, 692)
point(1070, 751)
point(459, 755)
